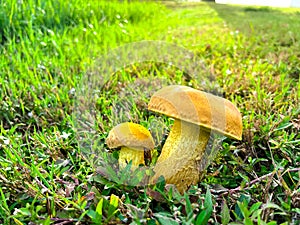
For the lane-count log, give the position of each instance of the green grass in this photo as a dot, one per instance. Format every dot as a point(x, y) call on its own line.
point(48, 47)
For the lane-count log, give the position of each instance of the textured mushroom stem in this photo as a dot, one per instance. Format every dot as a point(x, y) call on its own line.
point(128, 154)
point(181, 154)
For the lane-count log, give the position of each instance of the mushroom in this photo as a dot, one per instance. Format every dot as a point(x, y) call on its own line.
point(134, 140)
point(196, 114)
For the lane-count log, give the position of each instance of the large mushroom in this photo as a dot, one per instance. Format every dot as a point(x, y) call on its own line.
point(196, 114)
point(134, 140)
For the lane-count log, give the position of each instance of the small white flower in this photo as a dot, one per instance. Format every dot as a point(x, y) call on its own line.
point(65, 135)
point(72, 91)
point(5, 140)
point(228, 72)
point(16, 211)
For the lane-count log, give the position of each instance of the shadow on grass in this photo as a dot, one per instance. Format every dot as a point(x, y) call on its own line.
point(274, 29)
point(238, 16)
point(248, 19)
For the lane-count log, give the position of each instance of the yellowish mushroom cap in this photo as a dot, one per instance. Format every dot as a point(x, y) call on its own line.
point(130, 135)
point(198, 107)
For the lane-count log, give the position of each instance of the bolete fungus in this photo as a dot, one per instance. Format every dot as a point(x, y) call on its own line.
point(196, 114)
point(134, 140)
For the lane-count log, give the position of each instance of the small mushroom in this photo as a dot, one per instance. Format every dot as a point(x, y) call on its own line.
point(134, 140)
point(196, 114)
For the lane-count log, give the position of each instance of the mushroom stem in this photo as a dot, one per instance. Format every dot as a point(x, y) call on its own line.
point(181, 154)
point(128, 154)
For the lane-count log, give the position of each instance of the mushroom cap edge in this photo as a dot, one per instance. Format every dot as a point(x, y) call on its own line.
point(131, 135)
point(204, 109)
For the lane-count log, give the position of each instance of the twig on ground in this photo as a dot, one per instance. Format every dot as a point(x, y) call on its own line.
point(247, 185)
point(60, 221)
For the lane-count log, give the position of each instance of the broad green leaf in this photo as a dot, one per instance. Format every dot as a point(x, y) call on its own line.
point(188, 205)
point(255, 207)
point(114, 200)
point(204, 216)
point(164, 219)
point(25, 211)
point(161, 183)
point(244, 209)
point(260, 221)
point(297, 210)
point(256, 214)
point(272, 205)
point(113, 205)
point(208, 201)
point(47, 221)
point(248, 221)
point(225, 214)
point(151, 222)
point(246, 179)
point(92, 214)
point(242, 199)
point(275, 223)
point(99, 210)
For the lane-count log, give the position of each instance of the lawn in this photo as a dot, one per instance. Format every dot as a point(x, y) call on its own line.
point(72, 70)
